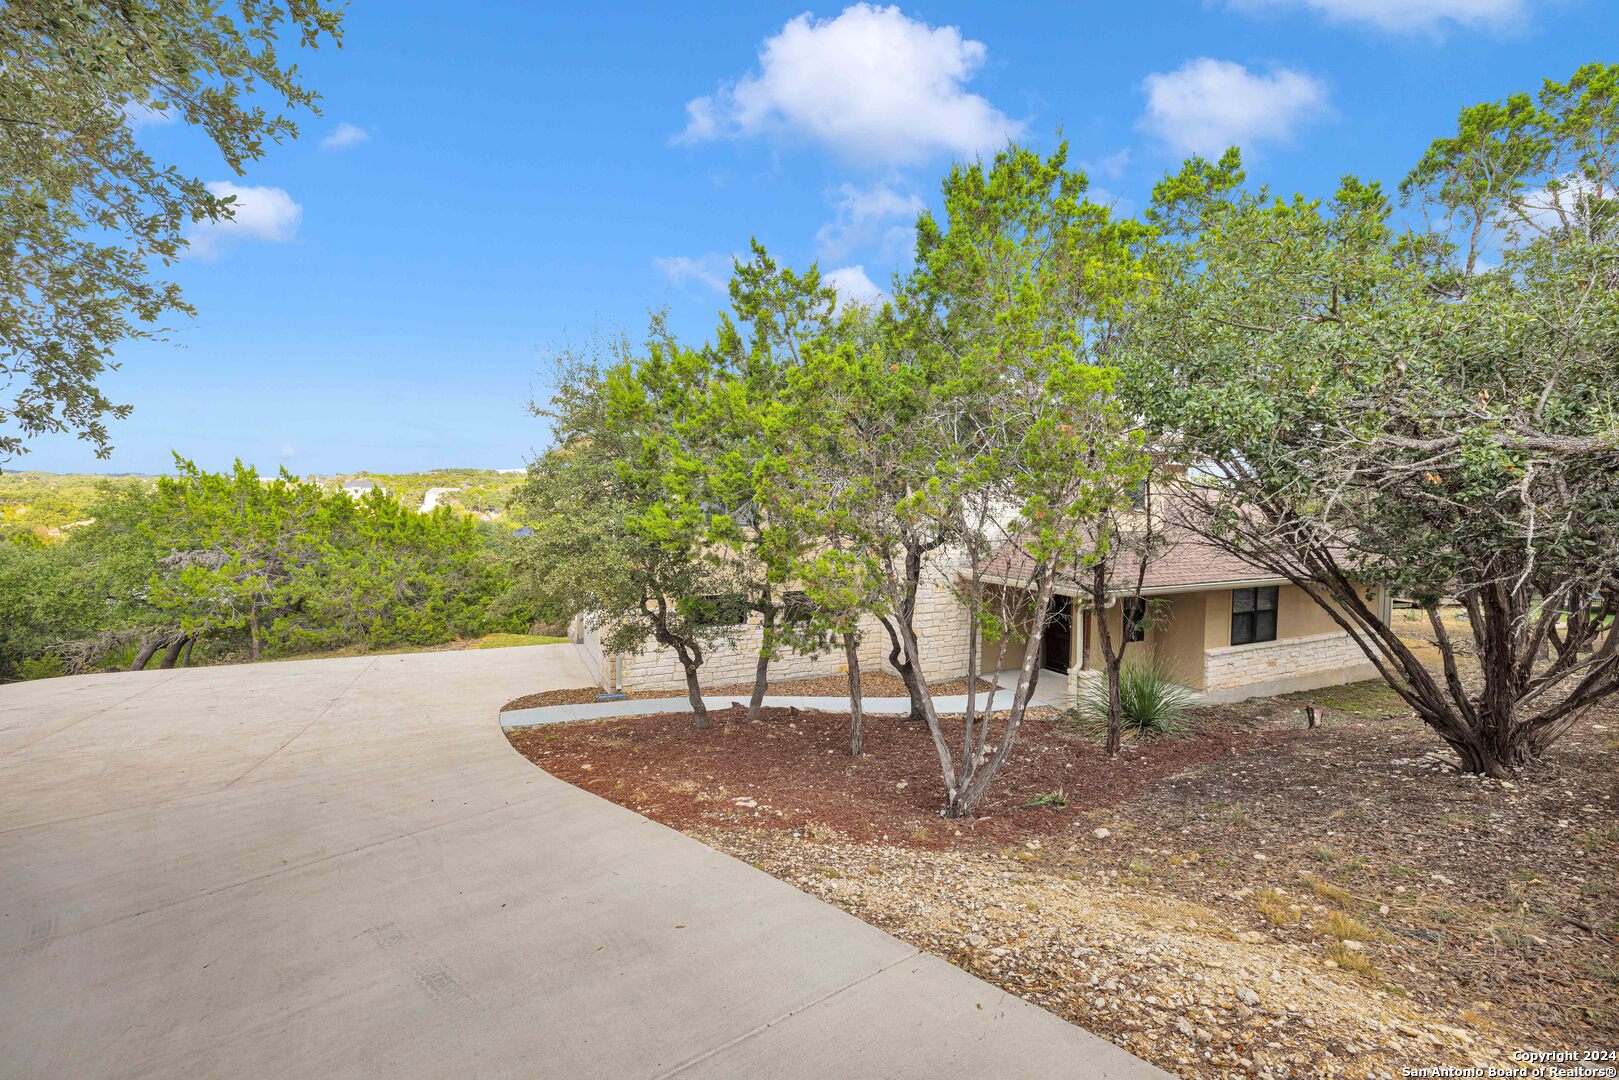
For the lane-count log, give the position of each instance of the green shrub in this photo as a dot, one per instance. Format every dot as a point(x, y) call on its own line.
point(48, 666)
point(1154, 703)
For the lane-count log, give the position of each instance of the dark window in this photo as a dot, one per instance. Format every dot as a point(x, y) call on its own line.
point(1253, 615)
point(723, 609)
point(1135, 619)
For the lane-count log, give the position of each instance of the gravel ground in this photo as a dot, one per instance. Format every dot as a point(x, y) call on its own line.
point(1175, 982)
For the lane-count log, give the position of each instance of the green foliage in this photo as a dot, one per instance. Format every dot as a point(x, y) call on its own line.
point(1430, 407)
point(1153, 702)
point(624, 511)
point(48, 666)
point(47, 506)
point(85, 212)
point(244, 563)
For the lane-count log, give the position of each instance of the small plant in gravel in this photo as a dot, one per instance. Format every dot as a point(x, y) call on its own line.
point(1052, 799)
point(1346, 928)
point(1274, 905)
point(1331, 893)
point(1153, 703)
point(1350, 960)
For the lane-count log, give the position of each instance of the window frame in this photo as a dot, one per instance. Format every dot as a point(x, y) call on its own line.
point(1134, 613)
point(1248, 625)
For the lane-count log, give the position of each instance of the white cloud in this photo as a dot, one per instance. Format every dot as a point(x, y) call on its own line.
point(140, 115)
point(1206, 105)
point(881, 215)
point(288, 450)
point(854, 286)
point(1403, 16)
point(873, 85)
point(1112, 166)
point(345, 134)
point(712, 270)
point(1545, 209)
point(259, 213)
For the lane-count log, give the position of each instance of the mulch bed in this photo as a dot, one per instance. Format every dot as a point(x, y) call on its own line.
point(872, 684)
point(1495, 905)
point(795, 766)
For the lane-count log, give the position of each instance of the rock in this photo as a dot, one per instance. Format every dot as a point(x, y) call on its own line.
point(1247, 996)
point(1184, 1026)
point(749, 803)
point(976, 940)
point(1102, 834)
point(1352, 945)
point(1252, 937)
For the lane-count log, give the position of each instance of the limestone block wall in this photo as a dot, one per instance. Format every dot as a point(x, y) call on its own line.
point(1271, 667)
point(941, 629)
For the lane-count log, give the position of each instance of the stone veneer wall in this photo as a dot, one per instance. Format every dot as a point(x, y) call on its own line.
point(1317, 660)
point(941, 629)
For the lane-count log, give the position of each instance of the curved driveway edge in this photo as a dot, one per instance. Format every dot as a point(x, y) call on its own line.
point(339, 868)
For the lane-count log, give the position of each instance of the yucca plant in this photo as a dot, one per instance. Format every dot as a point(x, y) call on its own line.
point(1153, 702)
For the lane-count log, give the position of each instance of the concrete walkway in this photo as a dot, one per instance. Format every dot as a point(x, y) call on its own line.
point(1049, 690)
point(340, 868)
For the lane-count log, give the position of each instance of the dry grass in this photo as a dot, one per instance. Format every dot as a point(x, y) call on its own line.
point(1331, 893)
point(1341, 927)
point(1350, 960)
point(1274, 905)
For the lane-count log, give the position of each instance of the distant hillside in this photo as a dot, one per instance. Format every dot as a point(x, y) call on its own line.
point(47, 504)
point(485, 492)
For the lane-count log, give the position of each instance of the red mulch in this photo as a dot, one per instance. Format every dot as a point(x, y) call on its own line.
point(796, 765)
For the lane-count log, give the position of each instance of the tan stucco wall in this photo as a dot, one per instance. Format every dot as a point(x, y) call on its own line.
point(1181, 637)
point(1147, 646)
point(1297, 616)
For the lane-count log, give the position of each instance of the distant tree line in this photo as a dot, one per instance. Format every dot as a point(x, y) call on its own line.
point(245, 566)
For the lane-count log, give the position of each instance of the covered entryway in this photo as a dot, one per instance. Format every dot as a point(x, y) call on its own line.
point(1058, 643)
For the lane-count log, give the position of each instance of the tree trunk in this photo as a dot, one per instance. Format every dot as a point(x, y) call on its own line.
point(851, 650)
point(190, 641)
point(964, 802)
point(144, 655)
point(761, 679)
point(1111, 661)
point(699, 711)
point(172, 653)
point(256, 644)
point(1115, 708)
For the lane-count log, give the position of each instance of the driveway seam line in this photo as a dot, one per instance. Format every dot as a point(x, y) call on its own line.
point(788, 1015)
point(91, 716)
point(300, 732)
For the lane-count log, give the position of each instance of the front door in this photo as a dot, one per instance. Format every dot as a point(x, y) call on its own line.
point(1058, 643)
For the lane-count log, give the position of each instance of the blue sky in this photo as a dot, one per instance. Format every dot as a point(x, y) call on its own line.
point(491, 181)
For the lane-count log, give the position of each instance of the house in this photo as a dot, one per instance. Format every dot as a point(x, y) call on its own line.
point(359, 487)
point(1218, 625)
point(1223, 628)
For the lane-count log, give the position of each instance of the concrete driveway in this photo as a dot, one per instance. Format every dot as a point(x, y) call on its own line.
point(339, 868)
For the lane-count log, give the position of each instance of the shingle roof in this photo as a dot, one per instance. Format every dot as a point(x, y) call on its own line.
point(1186, 561)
